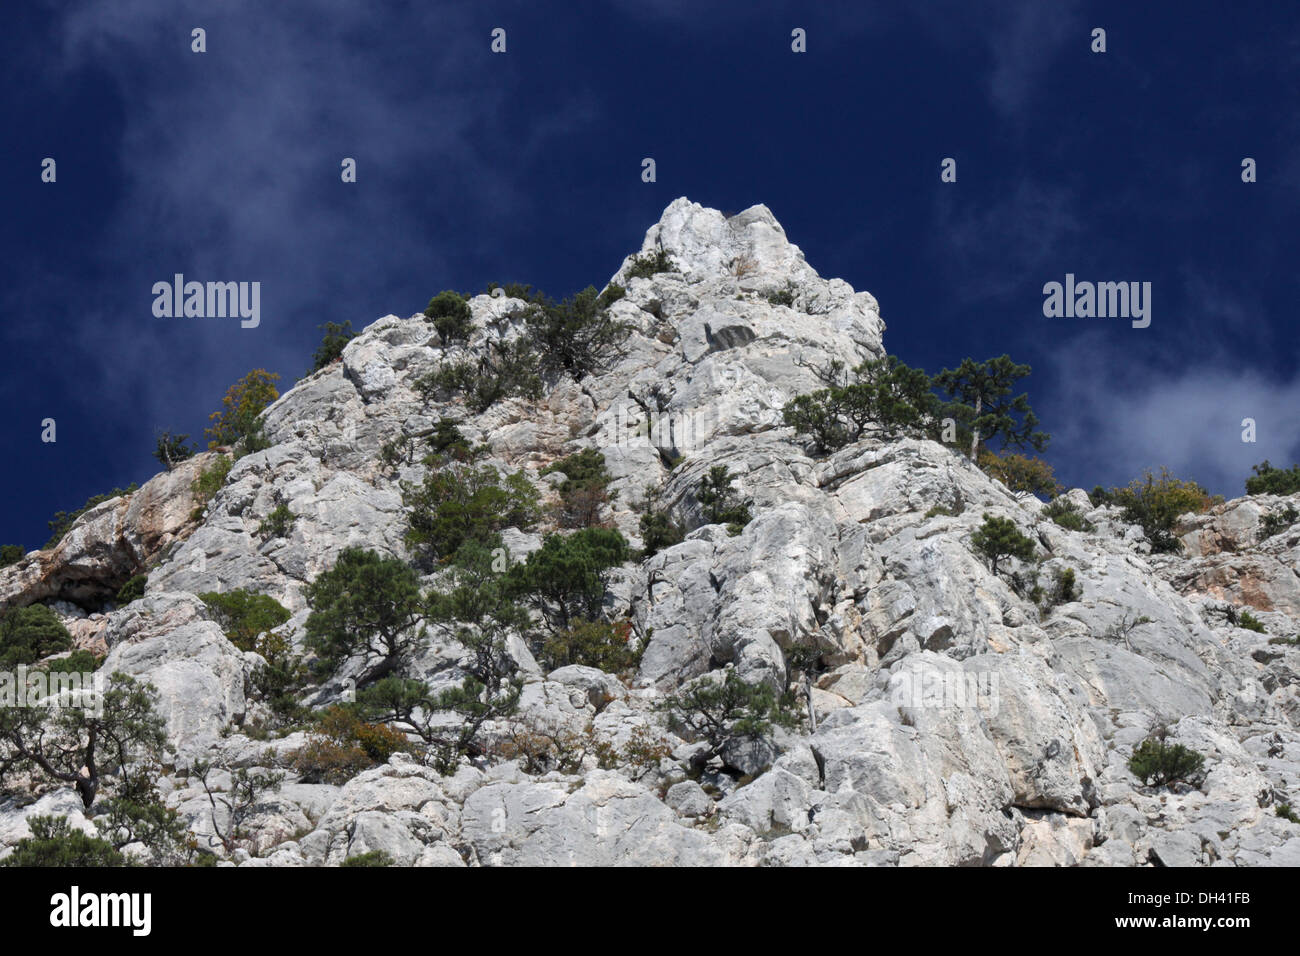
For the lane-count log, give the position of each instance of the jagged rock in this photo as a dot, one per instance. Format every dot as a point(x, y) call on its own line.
point(959, 721)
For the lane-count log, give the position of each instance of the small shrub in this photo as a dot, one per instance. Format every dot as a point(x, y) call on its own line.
point(505, 370)
point(1275, 522)
point(577, 336)
point(1155, 504)
point(132, 590)
point(209, 481)
point(1157, 763)
point(1284, 811)
point(372, 858)
point(79, 661)
point(608, 647)
point(999, 538)
point(245, 616)
point(720, 503)
point(584, 491)
point(647, 264)
point(1250, 622)
point(55, 843)
point(783, 297)
point(1063, 512)
point(171, 449)
point(450, 315)
point(30, 633)
point(1268, 480)
point(11, 554)
point(278, 523)
point(241, 409)
point(659, 530)
point(1020, 473)
point(332, 345)
point(460, 503)
point(342, 745)
point(1062, 590)
point(1099, 496)
point(278, 681)
point(942, 511)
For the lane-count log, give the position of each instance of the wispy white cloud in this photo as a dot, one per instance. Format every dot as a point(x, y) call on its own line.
point(1113, 413)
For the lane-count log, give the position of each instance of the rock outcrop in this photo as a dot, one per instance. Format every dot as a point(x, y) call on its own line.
point(957, 722)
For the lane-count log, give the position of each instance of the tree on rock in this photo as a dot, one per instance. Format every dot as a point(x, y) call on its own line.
point(83, 745)
point(982, 403)
point(999, 538)
point(240, 417)
point(366, 604)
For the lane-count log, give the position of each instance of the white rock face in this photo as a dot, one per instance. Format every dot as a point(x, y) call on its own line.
point(957, 723)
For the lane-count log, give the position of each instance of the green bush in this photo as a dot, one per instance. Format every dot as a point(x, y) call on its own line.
point(1157, 763)
point(577, 336)
point(209, 481)
point(1247, 620)
point(1275, 522)
point(366, 604)
point(721, 711)
point(30, 633)
point(584, 490)
point(1020, 473)
point(278, 681)
point(999, 538)
point(244, 615)
point(171, 449)
point(1100, 496)
point(63, 520)
point(783, 297)
point(11, 554)
point(883, 398)
point(372, 858)
point(450, 315)
point(79, 662)
point(460, 503)
point(659, 531)
point(1284, 811)
point(511, 369)
point(1063, 512)
point(720, 503)
point(331, 347)
point(1062, 590)
point(54, 843)
point(239, 420)
point(608, 647)
point(342, 745)
point(647, 264)
point(1155, 504)
point(132, 590)
point(566, 578)
point(1268, 480)
point(278, 522)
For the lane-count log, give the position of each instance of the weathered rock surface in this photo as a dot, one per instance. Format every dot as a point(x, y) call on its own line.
point(958, 723)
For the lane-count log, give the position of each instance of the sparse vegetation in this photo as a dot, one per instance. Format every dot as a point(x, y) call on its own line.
point(239, 420)
point(341, 745)
point(331, 347)
point(1275, 522)
point(584, 491)
point(719, 711)
point(278, 522)
point(30, 633)
point(1021, 474)
point(132, 590)
point(609, 647)
point(647, 264)
point(244, 615)
point(720, 503)
point(1157, 763)
point(999, 538)
point(1062, 511)
point(55, 843)
point(1155, 504)
point(1268, 480)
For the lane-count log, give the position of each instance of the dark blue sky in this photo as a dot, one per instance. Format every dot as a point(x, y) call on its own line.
point(474, 167)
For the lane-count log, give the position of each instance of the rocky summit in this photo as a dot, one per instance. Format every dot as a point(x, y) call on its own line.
point(942, 715)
